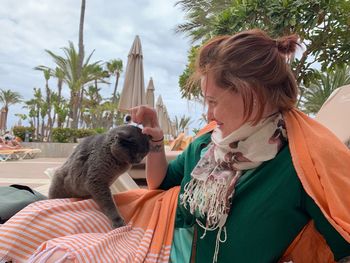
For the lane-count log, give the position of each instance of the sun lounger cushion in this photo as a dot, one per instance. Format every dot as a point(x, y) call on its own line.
point(14, 198)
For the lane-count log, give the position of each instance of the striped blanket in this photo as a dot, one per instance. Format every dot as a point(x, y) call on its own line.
point(74, 230)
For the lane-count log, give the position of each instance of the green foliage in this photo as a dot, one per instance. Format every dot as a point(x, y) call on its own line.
point(200, 16)
point(100, 130)
point(75, 79)
point(321, 87)
point(322, 25)
point(189, 90)
point(9, 97)
point(115, 66)
point(20, 131)
point(65, 135)
point(81, 133)
point(182, 123)
point(195, 130)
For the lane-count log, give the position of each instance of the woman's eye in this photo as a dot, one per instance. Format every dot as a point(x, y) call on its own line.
point(211, 102)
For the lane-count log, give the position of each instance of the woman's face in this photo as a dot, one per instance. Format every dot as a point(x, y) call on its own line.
point(224, 105)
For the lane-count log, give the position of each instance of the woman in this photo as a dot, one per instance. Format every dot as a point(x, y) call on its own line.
point(241, 196)
point(254, 190)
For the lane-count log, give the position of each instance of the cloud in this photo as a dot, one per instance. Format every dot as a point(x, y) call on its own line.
point(29, 27)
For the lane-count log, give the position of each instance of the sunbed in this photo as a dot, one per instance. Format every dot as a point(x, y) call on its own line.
point(10, 154)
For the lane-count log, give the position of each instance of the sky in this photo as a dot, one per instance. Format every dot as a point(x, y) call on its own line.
point(29, 27)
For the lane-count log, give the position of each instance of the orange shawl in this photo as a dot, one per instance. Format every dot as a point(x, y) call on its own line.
point(322, 163)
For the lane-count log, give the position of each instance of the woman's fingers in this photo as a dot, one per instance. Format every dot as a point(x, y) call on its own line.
point(155, 133)
point(147, 116)
point(144, 115)
point(133, 114)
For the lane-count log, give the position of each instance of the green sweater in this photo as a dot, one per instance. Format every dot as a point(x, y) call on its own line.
point(269, 209)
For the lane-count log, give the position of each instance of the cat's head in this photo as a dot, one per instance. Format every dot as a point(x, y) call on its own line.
point(128, 143)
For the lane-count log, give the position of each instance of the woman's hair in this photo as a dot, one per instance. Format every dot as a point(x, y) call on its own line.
point(253, 64)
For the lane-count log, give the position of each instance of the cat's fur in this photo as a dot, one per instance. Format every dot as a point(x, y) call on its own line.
point(96, 163)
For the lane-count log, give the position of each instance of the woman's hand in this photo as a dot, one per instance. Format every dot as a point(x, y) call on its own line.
point(156, 163)
point(147, 116)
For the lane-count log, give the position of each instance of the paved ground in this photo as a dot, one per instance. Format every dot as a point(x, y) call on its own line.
point(28, 172)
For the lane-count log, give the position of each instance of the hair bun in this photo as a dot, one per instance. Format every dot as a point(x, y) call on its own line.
point(287, 44)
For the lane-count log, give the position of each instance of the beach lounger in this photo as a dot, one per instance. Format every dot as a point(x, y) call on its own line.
point(30, 153)
point(333, 113)
point(10, 154)
point(18, 154)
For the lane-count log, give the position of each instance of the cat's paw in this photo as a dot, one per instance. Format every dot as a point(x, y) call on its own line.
point(118, 222)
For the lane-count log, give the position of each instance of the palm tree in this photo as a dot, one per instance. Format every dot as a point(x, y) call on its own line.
point(182, 123)
point(21, 117)
point(90, 103)
point(7, 98)
point(31, 106)
point(69, 66)
point(201, 15)
point(35, 109)
point(47, 75)
point(91, 72)
point(59, 74)
point(321, 87)
point(115, 67)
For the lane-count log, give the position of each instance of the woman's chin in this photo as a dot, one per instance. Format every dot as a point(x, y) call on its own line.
point(224, 132)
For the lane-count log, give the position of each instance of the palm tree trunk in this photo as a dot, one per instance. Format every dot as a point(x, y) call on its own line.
point(79, 106)
point(42, 129)
point(74, 106)
point(76, 100)
point(49, 121)
point(115, 86)
point(59, 88)
point(114, 97)
point(6, 110)
point(81, 37)
point(37, 125)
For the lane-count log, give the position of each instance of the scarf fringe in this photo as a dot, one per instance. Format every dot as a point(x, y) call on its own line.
point(208, 198)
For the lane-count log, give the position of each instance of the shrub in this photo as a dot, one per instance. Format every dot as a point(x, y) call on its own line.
point(81, 133)
point(100, 130)
point(20, 131)
point(70, 135)
point(63, 135)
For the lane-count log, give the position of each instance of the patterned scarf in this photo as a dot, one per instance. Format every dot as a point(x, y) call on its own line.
point(210, 191)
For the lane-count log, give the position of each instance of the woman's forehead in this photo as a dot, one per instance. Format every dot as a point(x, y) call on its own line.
point(208, 86)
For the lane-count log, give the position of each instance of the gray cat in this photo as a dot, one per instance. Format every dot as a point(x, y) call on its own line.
point(96, 163)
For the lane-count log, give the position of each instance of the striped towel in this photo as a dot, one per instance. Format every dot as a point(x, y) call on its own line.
point(77, 231)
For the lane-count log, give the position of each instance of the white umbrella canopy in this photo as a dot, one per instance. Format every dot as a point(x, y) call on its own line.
point(163, 116)
point(166, 121)
point(159, 108)
point(334, 113)
point(150, 93)
point(173, 129)
point(133, 93)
